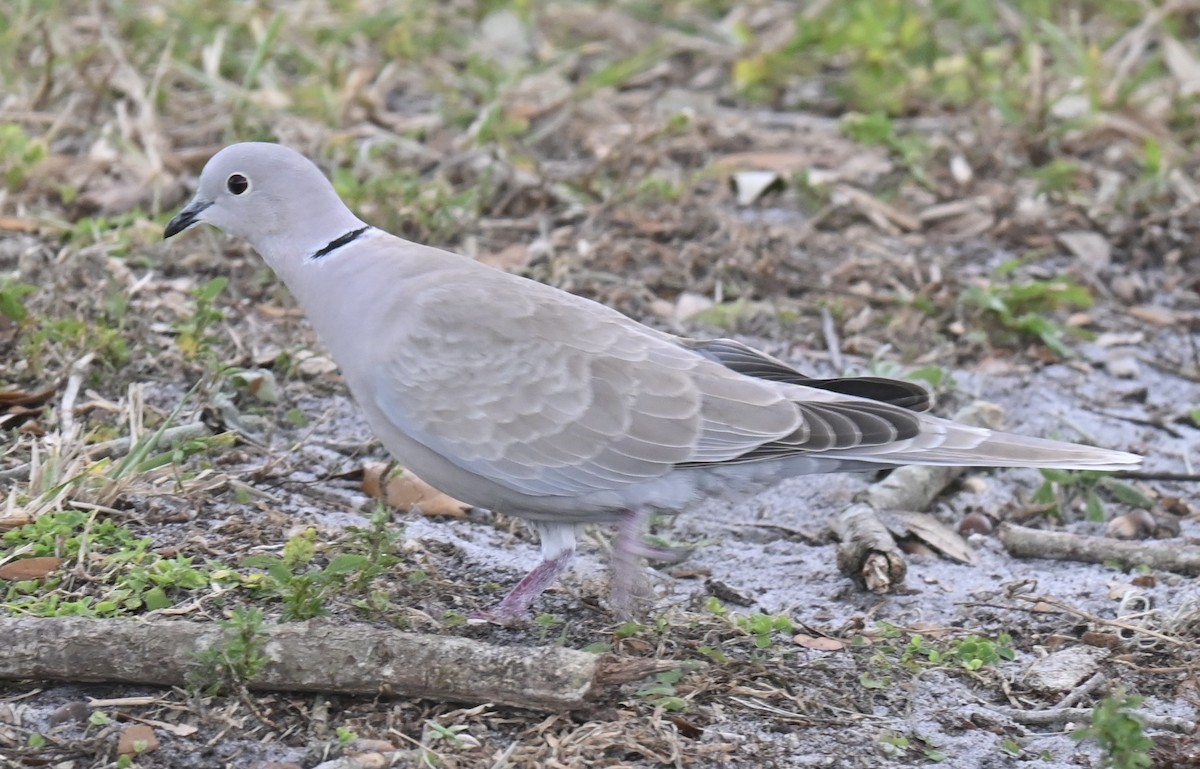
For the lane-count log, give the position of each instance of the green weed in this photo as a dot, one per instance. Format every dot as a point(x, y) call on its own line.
point(764, 627)
point(1018, 311)
point(195, 332)
point(897, 652)
point(899, 746)
point(1061, 488)
point(19, 153)
point(1119, 732)
point(12, 293)
point(238, 658)
point(125, 575)
point(292, 577)
point(345, 736)
point(662, 692)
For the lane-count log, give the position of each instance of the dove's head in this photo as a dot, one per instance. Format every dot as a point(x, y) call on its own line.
point(272, 196)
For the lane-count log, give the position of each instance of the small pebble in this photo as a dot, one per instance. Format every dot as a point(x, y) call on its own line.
point(975, 523)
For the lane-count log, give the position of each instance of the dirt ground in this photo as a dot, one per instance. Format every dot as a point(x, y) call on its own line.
point(676, 163)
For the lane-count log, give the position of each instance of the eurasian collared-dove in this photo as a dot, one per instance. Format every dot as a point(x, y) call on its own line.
point(518, 397)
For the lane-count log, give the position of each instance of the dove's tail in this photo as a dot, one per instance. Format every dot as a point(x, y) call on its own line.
point(1008, 450)
point(942, 442)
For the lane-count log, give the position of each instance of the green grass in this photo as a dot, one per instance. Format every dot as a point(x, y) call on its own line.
point(125, 575)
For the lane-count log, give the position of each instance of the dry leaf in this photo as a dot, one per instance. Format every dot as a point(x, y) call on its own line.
point(1091, 248)
point(311, 364)
point(1155, 315)
point(406, 491)
point(819, 643)
point(14, 519)
point(29, 568)
point(18, 224)
point(689, 305)
point(179, 730)
point(511, 257)
point(136, 739)
point(929, 531)
point(1061, 671)
point(373, 475)
point(19, 397)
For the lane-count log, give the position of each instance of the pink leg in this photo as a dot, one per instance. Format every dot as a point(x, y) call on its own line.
point(558, 550)
point(629, 548)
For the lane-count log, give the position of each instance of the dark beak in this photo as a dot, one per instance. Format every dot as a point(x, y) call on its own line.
point(185, 218)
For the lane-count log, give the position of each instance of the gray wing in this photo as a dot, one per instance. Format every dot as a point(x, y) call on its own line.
point(549, 394)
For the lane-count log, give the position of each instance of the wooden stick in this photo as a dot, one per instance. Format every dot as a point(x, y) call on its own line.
point(317, 656)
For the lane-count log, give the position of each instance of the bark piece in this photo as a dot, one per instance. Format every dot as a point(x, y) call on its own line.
point(317, 656)
point(1024, 542)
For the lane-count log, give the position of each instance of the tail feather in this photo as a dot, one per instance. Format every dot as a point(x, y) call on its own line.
point(1009, 450)
point(942, 442)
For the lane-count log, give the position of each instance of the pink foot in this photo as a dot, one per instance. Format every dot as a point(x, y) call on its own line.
point(513, 609)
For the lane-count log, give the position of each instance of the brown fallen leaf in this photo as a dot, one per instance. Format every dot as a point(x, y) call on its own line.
point(372, 481)
point(917, 530)
point(1155, 315)
point(29, 568)
point(136, 739)
point(405, 491)
point(1090, 248)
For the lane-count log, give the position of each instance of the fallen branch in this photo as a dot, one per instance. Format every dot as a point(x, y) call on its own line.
point(1024, 542)
point(868, 553)
point(317, 656)
point(1084, 715)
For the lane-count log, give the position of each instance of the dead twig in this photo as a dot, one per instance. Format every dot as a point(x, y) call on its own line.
point(1052, 716)
point(832, 342)
point(1139, 475)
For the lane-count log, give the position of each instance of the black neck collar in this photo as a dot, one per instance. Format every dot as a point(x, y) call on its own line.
point(338, 242)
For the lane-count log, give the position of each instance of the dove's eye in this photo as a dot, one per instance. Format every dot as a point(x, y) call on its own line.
point(237, 184)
